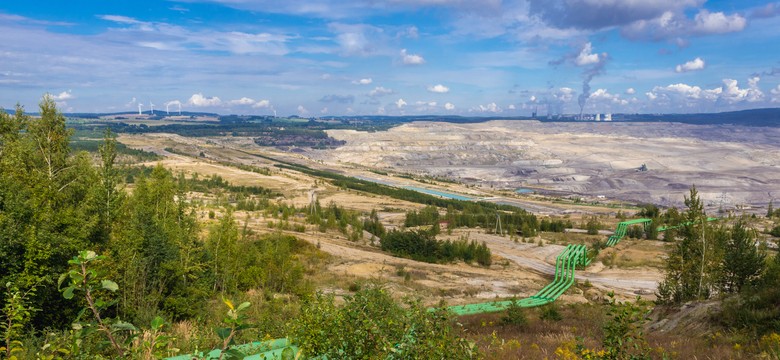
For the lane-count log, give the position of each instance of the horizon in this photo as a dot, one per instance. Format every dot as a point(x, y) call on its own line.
point(395, 58)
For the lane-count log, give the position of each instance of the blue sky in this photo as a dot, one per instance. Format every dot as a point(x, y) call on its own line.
point(392, 57)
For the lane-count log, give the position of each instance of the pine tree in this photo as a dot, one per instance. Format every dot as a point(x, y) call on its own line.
point(743, 262)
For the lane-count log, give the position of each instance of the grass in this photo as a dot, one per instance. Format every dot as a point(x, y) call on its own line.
point(540, 339)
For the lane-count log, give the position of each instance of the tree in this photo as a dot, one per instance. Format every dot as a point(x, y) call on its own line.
point(770, 210)
point(692, 266)
point(47, 208)
point(743, 263)
point(109, 196)
point(223, 247)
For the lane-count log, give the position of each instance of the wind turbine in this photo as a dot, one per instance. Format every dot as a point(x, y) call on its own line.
point(139, 108)
point(179, 103)
point(152, 107)
point(167, 105)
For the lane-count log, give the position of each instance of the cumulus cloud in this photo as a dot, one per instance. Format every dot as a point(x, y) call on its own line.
point(450, 106)
point(65, 95)
point(693, 65)
point(707, 22)
point(600, 14)
point(261, 104)
point(677, 26)
point(364, 81)
point(200, 101)
point(776, 94)
point(340, 99)
point(732, 93)
point(492, 107)
point(691, 95)
point(380, 91)
point(605, 97)
point(400, 103)
point(411, 59)
point(438, 88)
point(586, 56)
point(630, 91)
point(242, 101)
point(302, 111)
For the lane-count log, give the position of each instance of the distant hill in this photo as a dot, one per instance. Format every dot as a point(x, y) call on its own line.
point(754, 117)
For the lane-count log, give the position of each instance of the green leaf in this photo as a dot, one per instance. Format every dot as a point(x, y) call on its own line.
point(121, 325)
point(157, 323)
point(109, 285)
point(88, 255)
point(243, 306)
point(62, 279)
point(223, 333)
point(68, 293)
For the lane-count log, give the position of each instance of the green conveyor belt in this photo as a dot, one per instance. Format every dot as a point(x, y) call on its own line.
point(565, 265)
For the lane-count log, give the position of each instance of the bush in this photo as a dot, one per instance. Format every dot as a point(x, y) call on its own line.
point(515, 315)
point(371, 325)
point(550, 313)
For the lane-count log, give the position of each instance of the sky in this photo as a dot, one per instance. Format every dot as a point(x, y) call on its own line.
point(392, 57)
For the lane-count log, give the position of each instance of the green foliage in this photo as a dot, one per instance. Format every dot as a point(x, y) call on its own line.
point(373, 225)
point(49, 207)
point(515, 316)
point(757, 308)
point(623, 333)
point(694, 264)
point(593, 226)
point(744, 262)
point(17, 313)
point(422, 246)
point(83, 278)
point(550, 312)
point(775, 231)
point(93, 146)
point(371, 325)
point(235, 321)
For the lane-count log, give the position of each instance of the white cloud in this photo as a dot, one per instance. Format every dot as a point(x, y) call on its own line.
point(492, 107)
point(511, 107)
point(302, 111)
point(586, 56)
point(356, 39)
point(450, 106)
point(564, 94)
point(380, 91)
point(732, 93)
point(261, 104)
point(65, 95)
point(400, 103)
point(438, 88)
point(119, 19)
point(364, 81)
point(411, 59)
point(324, 110)
point(706, 22)
point(605, 97)
point(684, 92)
point(200, 100)
point(242, 101)
point(693, 65)
point(776, 94)
point(630, 91)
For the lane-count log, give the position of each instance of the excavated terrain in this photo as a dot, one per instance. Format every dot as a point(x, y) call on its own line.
point(734, 167)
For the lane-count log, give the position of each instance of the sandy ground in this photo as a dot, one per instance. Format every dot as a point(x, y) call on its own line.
point(519, 269)
point(730, 165)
